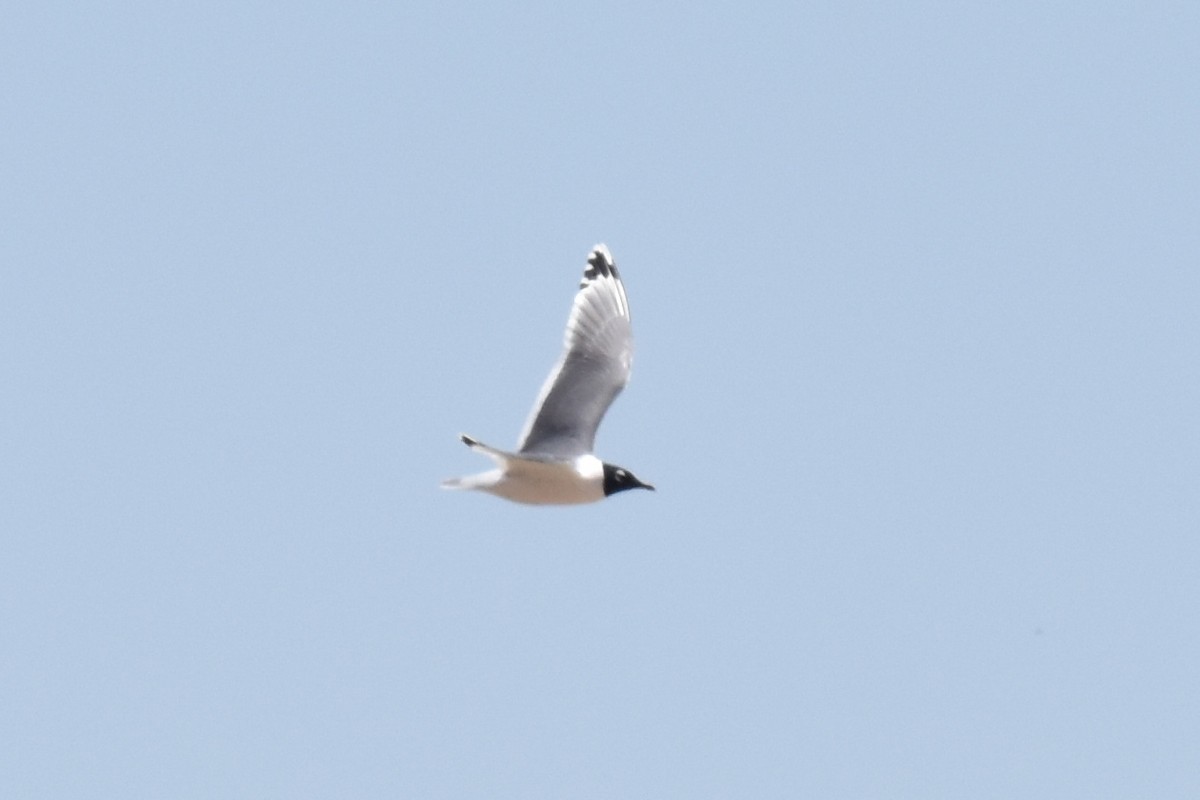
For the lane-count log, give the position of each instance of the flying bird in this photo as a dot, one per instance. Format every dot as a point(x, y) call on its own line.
point(554, 464)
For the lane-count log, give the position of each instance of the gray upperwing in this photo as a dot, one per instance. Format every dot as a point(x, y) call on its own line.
point(594, 367)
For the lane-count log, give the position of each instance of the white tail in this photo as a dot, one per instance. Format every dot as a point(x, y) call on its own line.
point(480, 480)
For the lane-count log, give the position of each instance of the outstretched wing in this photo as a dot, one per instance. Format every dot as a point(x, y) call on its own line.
point(597, 356)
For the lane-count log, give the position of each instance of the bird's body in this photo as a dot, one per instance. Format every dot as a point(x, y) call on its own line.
point(536, 481)
point(554, 464)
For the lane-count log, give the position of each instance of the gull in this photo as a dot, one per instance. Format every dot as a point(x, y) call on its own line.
point(554, 464)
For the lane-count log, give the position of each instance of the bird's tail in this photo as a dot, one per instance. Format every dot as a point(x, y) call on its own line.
point(480, 480)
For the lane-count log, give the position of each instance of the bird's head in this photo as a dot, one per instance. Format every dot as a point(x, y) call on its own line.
point(618, 479)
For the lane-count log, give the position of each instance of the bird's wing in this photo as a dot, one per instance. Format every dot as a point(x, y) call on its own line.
point(594, 367)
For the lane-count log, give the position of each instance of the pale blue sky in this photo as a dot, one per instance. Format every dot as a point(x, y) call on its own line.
point(915, 290)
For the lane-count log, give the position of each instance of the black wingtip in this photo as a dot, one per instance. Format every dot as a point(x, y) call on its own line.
point(600, 264)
